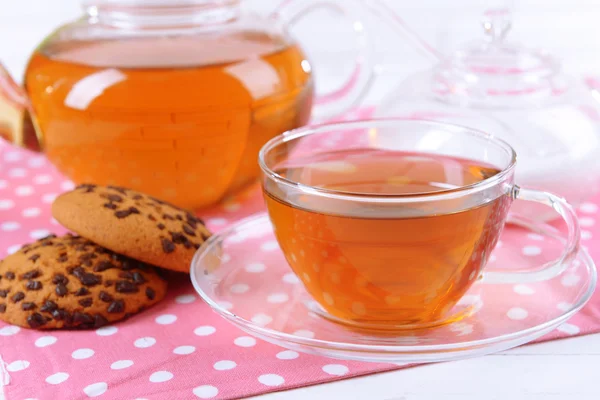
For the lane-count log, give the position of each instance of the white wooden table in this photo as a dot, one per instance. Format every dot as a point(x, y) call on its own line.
point(566, 369)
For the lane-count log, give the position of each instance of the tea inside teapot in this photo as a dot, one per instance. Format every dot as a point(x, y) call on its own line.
point(173, 98)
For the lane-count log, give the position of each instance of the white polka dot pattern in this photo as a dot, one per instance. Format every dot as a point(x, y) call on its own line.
point(535, 236)
point(588, 208)
point(6, 204)
point(271, 380)
point(517, 313)
point(95, 389)
point(67, 185)
point(121, 364)
point(335, 369)
point(9, 330)
point(146, 351)
point(206, 392)
point(23, 191)
point(48, 198)
point(45, 341)
point(161, 376)
point(39, 233)
point(216, 222)
point(569, 329)
point(587, 222)
point(245, 341)
point(224, 365)
point(107, 331)
point(144, 342)
point(532, 250)
point(305, 333)
point(12, 156)
point(523, 289)
point(166, 319)
point(17, 173)
point(82, 354)
point(287, 355)
point(13, 249)
point(291, 278)
point(255, 268)
point(269, 246)
point(262, 319)
point(18, 365)
point(31, 212)
point(204, 330)
point(42, 179)
point(57, 378)
point(226, 305)
point(564, 306)
point(570, 280)
point(10, 226)
point(239, 288)
point(277, 298)
point(185, 299)
point(184, 350)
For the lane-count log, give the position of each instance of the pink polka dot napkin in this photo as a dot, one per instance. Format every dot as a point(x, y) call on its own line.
point(179, 349)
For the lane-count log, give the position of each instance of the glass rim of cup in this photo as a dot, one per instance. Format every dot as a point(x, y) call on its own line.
point(446, 194)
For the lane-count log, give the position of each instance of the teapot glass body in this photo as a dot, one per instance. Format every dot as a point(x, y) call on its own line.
point(173, 98)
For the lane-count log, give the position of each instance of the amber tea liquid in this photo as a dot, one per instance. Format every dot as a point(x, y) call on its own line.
point(180, 119)
point(375, 269)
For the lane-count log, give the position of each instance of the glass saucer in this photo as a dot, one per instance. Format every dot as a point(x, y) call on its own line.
point(242, 274)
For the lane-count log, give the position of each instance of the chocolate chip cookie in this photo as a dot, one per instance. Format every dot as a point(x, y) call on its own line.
point(133, 224)
point(70, 282)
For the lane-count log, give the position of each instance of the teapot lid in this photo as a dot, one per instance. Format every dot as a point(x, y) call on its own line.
point(495, 73)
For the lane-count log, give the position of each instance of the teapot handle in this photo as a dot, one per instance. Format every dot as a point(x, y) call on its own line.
point(356, 87)
point(16, 125)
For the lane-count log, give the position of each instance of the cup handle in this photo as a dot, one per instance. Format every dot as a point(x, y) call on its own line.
point(553, 268)
point(356, 87)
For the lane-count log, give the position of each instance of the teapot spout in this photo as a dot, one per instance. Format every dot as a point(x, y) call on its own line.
point(16, 124)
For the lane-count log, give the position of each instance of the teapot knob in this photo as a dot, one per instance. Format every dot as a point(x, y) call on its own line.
point(496, 23)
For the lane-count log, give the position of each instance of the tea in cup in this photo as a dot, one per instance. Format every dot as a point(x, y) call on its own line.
point(383, 236)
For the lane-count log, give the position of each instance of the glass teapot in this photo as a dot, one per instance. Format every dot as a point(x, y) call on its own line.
point(518, 94)
point(172, 97)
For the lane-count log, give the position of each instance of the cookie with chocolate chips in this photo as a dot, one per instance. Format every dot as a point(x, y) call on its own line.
point(71, 283)
point(133, 224)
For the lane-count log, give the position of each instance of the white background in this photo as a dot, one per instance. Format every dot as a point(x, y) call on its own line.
point(566, 369)
point(568, 28)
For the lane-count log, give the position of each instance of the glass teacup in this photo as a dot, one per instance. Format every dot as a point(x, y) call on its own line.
point(396, 237)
